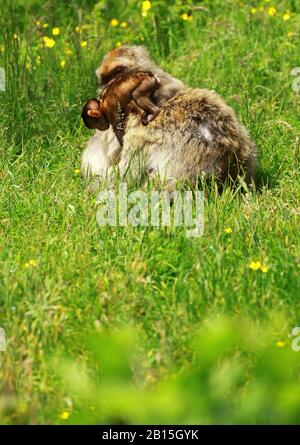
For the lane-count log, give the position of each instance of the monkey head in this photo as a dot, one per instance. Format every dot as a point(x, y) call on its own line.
point(122, 60)
point(93, 115)
point(127, 59)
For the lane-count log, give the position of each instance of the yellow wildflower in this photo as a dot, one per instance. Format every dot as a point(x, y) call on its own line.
point(146, 5)
point(280, 344)
point(15, 36)
point(30, 263)
point(114, 23)
point(228, 230)
point(186, 17)
point(264, 269)
point(145, 8)
point(77, 171)
point(290, 34)
point(253, 10)
point(48, 42)
point(64, 415)
point(272, 11)
point(123, 24)
point(37, 22)
point(255, 265)
point(78, 29)
point(68, 51)
point(55, 31)
point(62, 64)
point(118, 44)
point(286, 16)
point(45, 25)
point(83, 44)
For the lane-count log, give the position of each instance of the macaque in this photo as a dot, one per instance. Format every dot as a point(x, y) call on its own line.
point(196, 134)
point(113, 106)
point(126, 59)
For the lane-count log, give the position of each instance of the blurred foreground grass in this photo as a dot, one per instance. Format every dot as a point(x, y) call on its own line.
point(147, 291)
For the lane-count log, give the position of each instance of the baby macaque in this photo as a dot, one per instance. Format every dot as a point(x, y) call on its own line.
point(113, 105)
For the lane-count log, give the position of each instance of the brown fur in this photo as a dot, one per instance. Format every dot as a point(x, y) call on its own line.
point(114, 104)
point(195, 134)
point(136, 58)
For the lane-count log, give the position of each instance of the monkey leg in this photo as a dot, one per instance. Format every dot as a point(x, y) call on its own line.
point(141, 97)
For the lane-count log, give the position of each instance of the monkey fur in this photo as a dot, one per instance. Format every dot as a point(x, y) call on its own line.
point(126, 59)
point(195, 134)
point(113, 106)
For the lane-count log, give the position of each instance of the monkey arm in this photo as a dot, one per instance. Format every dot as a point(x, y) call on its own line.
point(141, 94)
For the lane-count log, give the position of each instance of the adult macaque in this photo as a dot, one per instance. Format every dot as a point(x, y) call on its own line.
point(114, 104)
point(195, 134)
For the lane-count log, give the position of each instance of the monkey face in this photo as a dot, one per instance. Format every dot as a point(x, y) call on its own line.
point(102, 124)
point(93, 116)
point(98, 119)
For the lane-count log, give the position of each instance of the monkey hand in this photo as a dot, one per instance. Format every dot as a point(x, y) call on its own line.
point(147, 118)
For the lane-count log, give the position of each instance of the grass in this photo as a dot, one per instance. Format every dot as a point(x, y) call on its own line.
point(62, 276)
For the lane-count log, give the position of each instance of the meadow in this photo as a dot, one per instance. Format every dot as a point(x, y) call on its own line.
point(145, 325)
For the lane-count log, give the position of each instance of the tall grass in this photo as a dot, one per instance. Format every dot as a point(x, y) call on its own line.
point(63, 277)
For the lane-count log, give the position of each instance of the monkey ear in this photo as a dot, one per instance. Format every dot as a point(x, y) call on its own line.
point(93, 113)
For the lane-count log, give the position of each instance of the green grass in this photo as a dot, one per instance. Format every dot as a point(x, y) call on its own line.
point(159, 283)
